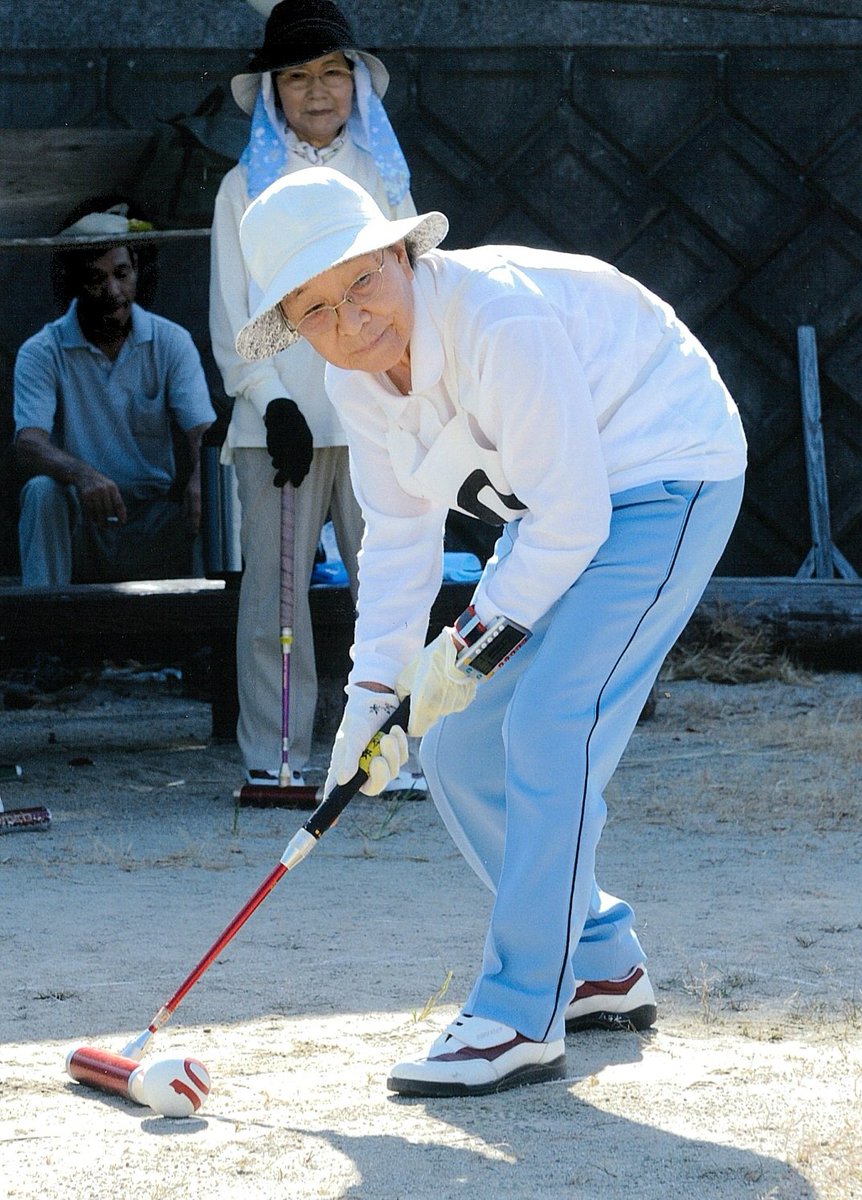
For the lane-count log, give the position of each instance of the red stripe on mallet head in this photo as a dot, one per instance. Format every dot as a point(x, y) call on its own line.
point(104, 1071)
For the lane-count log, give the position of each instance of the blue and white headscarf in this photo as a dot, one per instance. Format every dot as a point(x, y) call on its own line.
point(271, 140)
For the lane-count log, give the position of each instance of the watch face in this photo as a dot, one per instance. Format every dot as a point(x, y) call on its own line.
point(492, 649)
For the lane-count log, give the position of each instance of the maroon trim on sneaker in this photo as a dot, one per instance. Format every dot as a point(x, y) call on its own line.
point(608, 987)
point(489, 1053)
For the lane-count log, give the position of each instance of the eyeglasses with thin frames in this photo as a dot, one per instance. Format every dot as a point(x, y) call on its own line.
point(333, 78)
point(323, 318)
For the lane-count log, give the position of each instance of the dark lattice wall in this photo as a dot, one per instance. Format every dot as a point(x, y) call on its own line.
point(714, 150)
point(730, 182)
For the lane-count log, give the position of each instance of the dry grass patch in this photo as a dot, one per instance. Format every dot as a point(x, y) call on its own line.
point(728, 651)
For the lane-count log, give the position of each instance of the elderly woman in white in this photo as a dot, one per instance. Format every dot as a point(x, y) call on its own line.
point(560, 399)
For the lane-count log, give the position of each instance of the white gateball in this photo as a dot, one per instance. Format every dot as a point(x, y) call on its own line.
point(174, 1087)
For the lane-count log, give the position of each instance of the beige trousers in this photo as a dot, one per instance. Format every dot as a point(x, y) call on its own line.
point(325, 492)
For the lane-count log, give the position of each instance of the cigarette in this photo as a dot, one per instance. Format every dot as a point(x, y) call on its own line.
point(113, 520)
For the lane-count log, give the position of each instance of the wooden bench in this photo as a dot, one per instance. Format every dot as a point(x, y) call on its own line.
point(175, 616)
point(819, 619)
point(154, 620)
point(169, 619)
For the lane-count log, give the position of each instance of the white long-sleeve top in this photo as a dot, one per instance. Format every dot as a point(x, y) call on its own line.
point(542, 384)
point(297, 374)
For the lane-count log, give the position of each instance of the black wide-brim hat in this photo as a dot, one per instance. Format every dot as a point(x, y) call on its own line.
point(298, 31)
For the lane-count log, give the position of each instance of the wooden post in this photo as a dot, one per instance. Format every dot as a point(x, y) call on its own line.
point(824, 560)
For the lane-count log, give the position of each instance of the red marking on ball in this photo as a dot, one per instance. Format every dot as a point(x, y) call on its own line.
point(175, 1087)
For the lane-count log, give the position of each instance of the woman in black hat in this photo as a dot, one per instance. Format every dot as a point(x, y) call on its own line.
point(313, 97)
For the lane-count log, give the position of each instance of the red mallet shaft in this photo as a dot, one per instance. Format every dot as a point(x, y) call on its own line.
point(300, 845)
point(137, 1045)
point(107, 1072)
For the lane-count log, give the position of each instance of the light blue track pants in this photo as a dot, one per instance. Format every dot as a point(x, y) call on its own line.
point(59, 545)
point(518, 776)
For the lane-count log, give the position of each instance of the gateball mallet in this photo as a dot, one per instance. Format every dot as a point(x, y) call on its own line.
point(286, 794)
point(112, 1072)
point(481, 657)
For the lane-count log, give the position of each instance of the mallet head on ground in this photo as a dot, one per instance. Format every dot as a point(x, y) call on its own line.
point(105, 1071)
point(252, 795)
point(16, 819)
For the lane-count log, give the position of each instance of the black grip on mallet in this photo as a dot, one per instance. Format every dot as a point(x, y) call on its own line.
point(330, 809)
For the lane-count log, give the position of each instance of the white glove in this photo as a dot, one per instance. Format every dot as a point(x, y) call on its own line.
point(364, 713)
point(435, 684)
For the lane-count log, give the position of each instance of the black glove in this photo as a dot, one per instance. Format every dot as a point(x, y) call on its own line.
point(288, 442)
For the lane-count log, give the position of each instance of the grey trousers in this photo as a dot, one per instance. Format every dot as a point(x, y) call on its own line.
point(325, 492)
point(59, 545)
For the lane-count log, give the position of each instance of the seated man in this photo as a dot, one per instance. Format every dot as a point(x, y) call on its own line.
point(95, 396)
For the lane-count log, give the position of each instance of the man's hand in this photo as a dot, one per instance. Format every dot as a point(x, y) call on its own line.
point(288, 442)
point(100, 497)
point(364, 713)
point(436, 686)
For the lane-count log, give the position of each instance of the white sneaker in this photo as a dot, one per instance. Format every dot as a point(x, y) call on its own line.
point(613, 1003)
point(474, 1057)
point(407, 781)
point(270, 778)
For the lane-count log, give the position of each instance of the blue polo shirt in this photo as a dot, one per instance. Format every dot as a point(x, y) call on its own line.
point(114, 415)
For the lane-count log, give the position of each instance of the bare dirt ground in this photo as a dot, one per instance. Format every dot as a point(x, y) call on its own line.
point(735, 829)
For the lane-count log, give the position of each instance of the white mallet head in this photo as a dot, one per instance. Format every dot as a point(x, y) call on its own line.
point(173, 1087)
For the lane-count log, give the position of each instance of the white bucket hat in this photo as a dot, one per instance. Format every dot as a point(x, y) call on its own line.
point(302, 225)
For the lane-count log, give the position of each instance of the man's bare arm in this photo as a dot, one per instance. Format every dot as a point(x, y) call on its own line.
point(100, 497)
point(192, 497)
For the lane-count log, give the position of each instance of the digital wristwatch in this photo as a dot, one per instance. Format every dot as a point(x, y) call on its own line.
point(483, 649)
